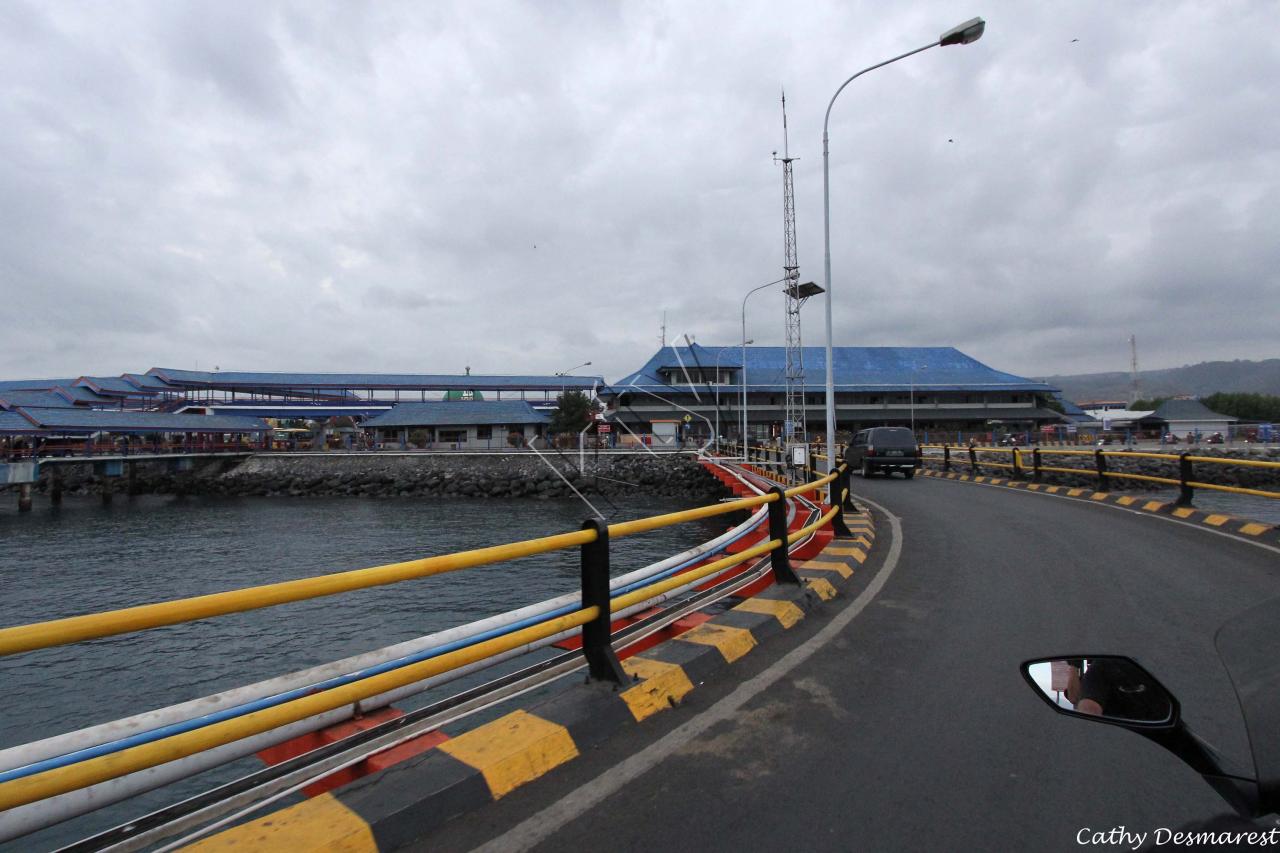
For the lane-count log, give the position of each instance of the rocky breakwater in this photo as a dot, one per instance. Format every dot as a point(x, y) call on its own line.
point(1118, 461)
point(461, 475)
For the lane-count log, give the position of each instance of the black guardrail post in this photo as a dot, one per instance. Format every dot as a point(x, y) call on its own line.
point(1185, 474)
point(781, 560)
point(946, 457)
point(1100, 460)
point(973, 459)
point(1035, 464)
point(602, 663)
point(839, 490)
point(1016, 458)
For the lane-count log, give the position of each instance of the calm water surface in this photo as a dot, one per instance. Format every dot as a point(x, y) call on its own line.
point(85, 557)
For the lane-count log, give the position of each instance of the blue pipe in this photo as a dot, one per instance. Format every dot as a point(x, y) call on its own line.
point(337, 681)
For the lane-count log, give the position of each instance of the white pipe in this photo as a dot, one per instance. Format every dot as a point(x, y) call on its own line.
point(29, 753)
point(26, 819)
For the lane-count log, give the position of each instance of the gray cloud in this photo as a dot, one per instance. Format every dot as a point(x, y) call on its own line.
point(525, 186)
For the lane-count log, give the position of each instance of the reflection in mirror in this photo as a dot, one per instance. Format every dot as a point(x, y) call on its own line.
point(1109, 688)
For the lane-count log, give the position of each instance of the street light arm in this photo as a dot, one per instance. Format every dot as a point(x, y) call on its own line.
point(827, 117)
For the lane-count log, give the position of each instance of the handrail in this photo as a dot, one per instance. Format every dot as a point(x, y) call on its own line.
point(1184, 460)
point(804, 488)
point(593, 615)
point(74, 629)
point(50, 783)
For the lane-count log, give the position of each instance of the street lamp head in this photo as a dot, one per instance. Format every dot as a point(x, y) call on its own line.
point(966, 33)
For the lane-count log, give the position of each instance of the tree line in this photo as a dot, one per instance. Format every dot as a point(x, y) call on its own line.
point(1250, 407)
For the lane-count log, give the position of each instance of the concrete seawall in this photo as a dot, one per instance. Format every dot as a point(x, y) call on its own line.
point(403, 475)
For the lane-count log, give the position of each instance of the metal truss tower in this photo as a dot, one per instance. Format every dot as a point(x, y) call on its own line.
point(793, 429)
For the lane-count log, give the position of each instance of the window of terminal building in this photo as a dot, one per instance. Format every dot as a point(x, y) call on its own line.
point(484, 433)
point(449, 436)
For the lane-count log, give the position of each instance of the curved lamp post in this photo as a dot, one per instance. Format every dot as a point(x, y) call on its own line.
point(720, 353)
point(794, 275)
point(968, 32)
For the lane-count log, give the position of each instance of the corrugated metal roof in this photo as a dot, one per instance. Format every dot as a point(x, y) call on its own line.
point(856, 369)
point(112, 385)
point(404, 381)
point(34, 384)
point(459, 413)
point(146, 381)
point(50, 399)
point(92, 420)
point(83, 394)
point(11, 422)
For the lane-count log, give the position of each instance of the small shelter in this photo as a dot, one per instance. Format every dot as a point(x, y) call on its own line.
point(459, 425)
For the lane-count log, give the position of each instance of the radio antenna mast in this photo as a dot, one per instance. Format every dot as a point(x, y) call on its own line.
point(793, 429)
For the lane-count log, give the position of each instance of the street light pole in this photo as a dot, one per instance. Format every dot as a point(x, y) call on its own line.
point(966, 33)
point(792, 276)
point(720, 353)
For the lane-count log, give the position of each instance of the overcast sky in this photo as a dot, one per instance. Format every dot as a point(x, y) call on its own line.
point(522, 187)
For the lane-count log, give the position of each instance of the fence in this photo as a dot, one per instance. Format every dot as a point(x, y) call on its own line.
point(598, 605)
point(1185, 479)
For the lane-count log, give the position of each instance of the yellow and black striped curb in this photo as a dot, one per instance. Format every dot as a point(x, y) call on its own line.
point(1252, 529)
point(387, 810)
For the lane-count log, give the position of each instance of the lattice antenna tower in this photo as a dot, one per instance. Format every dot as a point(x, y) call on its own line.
point(794, 424)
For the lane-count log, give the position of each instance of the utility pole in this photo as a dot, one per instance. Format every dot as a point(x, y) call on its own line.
point(793, 428)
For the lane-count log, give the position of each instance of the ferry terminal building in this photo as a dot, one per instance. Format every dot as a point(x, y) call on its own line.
point(945, 391)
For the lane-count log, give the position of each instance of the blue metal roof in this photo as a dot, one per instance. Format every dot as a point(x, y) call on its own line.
point(147, 382)
point(856, 369)
point(404, 381)
point(34, 384)
point(459, 413)
point(83, 394)
point(112, 386)
point(50, 399)
point(11, 422)
point(94, 420)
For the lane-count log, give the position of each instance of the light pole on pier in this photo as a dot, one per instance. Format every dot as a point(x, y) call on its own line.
point(791, 276)
point(571, 369)
point(722, 349)
point(966, 33)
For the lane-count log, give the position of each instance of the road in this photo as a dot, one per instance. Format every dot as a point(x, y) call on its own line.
point(909, 727)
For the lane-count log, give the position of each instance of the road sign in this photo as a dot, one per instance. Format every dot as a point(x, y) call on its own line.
point(604, 428)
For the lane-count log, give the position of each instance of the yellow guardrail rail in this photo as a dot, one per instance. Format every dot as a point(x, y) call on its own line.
point(50, 783)
point(92, 771)
point(74, 629)
point(1184, 460)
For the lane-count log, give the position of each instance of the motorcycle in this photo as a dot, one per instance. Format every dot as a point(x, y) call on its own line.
point(1118, 691)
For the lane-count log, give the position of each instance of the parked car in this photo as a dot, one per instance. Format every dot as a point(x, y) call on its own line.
point(885, 449)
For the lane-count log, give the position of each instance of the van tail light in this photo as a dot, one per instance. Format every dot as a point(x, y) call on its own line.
point(871, 449)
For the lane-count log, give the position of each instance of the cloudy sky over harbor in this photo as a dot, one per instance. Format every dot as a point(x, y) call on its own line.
point(522, 187)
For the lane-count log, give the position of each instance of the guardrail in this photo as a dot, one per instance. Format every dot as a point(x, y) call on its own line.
point(24, 785)
point(1185, 480)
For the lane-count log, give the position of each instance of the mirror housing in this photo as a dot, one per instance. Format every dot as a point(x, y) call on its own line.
point(1105, 689)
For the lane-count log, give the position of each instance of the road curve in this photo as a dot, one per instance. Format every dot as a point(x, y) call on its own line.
point(911, 729)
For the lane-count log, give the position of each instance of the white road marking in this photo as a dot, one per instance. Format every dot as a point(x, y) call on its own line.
point(541, 826)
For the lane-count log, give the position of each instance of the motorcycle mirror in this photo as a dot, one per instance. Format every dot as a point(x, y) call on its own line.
point(1105, 689)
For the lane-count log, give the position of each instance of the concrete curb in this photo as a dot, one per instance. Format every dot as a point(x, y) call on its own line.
point(471, 768)
point(1254, 530)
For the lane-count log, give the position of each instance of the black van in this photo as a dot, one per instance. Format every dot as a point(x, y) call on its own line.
point(883, 449)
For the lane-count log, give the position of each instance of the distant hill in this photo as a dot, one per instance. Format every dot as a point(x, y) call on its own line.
point(1197, 380)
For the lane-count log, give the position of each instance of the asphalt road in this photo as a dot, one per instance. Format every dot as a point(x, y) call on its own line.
point(910, 728)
